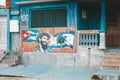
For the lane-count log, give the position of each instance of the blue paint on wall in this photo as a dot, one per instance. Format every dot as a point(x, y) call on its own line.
point(79, 18)
point(92, 21)
point(14, 6)
point(14, 15)
point(4, 12)
point(32, 37)
point(103, 16)
point(71, 16)
point(82, 23)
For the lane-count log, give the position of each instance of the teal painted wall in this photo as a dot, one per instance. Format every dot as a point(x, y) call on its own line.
point(25, 11)
point(81, 22)
point(13, 15)
point(94, 19)
point(14, 6)
point(103, 16)
point(92, 22)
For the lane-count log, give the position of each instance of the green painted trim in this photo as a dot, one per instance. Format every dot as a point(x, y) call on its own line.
point(44, 7)
point(15, 12)
point(79, 17)
point(30, 19)
point(8, 34)
point(30, 15)
point(103, 16)
point(70, 14)
point(76, 14)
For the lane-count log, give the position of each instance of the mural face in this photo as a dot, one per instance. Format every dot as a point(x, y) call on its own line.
point(61, 40)
point(42, 39)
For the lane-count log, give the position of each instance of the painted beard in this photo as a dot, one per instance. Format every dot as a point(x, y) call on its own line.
point(44, 45)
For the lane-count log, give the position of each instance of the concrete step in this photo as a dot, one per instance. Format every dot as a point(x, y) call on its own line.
point(113, 50)
point(111, 61)
point(112, 58)
point(10, 60)
point(11, 57)
point(9, 63)
point(110, 64)
point(2, 55)
point(110, 67)
point(112, 55)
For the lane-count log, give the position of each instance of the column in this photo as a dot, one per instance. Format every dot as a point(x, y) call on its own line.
point(103, 24)
point(103, 16)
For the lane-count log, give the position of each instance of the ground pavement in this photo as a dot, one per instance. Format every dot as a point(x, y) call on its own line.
point(39, 72)
point(16, 78)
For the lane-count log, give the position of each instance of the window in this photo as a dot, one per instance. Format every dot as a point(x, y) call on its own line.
point(49, 18)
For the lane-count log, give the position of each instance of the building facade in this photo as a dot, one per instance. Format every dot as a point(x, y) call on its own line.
point(61, 33)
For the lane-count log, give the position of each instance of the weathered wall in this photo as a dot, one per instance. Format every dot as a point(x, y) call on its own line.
point(15, 46)
point(14, 36)
point(89, 57)
point(84, 57)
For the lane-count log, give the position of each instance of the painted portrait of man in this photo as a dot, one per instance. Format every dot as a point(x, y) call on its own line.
point(52, 40)
point(42, 40)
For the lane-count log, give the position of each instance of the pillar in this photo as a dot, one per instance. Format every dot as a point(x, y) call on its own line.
point(103, 16)
point(103, 24)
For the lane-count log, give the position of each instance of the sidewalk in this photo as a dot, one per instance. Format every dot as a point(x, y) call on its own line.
point(47, 72)
point(16, 78)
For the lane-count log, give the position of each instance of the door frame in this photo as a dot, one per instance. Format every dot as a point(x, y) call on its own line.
point(6, 12)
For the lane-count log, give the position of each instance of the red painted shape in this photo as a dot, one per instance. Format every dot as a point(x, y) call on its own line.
point(8, 4)
point(25, 35)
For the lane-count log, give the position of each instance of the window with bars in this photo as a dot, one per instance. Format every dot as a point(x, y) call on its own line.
point(49, 18)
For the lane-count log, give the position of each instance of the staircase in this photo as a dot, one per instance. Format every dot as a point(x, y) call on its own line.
point(111, 61)
point(9, 59)
point(110, 66)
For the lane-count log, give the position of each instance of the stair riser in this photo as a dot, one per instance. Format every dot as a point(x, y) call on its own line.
point(111, 61)
point(110, 68)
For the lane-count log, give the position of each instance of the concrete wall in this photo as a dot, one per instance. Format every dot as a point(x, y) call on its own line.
point(84, 57)
point(15, 41)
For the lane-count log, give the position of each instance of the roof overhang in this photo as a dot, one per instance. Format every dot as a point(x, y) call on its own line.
point(51, 1)
point(38, 1)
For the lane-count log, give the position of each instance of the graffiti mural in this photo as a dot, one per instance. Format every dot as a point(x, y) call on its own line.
point(24, 18)
point(58, 40)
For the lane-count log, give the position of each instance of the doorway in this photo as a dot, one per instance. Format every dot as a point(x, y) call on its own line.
point(3, 33)
point(113, 29)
